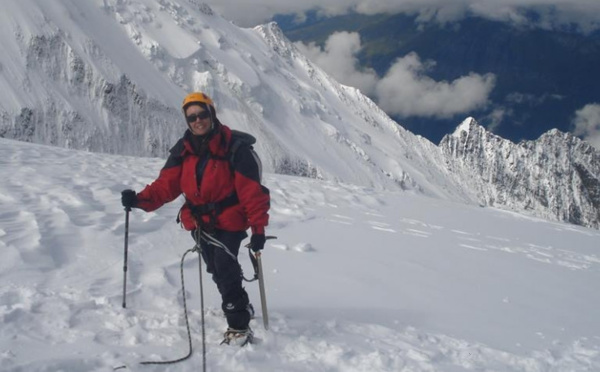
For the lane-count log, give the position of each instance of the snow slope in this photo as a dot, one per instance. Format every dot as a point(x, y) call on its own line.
point(358, 280)
point(109, 76)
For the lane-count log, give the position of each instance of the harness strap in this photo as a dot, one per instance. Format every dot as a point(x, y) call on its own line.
point(212, 210)
point(214, 207)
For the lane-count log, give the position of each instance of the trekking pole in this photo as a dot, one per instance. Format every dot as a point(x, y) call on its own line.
point(127, 210)
point(202, 309)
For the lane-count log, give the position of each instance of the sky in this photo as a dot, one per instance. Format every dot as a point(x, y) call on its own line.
point(583, 14)
point(406, 89)
point(358, 280)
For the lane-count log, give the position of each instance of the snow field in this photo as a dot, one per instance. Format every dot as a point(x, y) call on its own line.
point(357, 280)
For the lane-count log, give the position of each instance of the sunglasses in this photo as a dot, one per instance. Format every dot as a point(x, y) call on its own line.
point(193, 117)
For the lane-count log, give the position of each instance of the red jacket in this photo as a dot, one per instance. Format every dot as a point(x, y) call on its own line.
point(209, 179)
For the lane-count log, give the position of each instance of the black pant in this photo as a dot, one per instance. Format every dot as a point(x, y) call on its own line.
point(227, 274)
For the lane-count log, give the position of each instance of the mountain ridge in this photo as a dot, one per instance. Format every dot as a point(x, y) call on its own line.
point(556, 175)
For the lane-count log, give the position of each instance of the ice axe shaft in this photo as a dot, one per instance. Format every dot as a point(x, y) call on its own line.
point(263, 296)
point(261, 284)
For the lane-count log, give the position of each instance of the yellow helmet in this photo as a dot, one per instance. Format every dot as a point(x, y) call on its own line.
point(196, 97)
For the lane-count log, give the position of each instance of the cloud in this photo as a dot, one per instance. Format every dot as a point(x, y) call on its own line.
point(587, 124)
point(405, 90)
point(584, 15)
point(495, 118)
point(339, 60)
point(531, 99)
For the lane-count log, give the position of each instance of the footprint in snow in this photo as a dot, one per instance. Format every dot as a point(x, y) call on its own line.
point(338, 218)
point(380, 226)
point(300, 247)
point(283, 247)
point(304, 247)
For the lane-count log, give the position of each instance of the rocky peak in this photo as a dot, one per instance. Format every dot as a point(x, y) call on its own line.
point(556, 176)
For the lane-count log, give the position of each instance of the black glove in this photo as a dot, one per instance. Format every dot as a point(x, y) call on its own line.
point(128, 199)
point(257, 242)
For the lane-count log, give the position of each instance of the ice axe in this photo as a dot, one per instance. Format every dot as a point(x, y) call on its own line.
point(256, 259)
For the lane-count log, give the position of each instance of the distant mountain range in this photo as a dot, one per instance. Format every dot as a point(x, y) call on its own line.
point(111, 79)
point(557, 175)
point(542, 76)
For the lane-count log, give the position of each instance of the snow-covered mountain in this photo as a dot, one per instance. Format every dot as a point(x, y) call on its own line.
point(109, 76)
point(556, 176)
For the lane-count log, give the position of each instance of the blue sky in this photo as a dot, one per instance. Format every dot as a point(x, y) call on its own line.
point(583, 14)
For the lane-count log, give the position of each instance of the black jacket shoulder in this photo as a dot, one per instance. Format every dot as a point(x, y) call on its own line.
point(175, 155)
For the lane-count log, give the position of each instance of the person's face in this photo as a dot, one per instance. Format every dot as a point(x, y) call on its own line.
point(201, 120)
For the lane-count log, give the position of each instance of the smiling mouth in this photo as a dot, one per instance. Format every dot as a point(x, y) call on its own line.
point(200, 127)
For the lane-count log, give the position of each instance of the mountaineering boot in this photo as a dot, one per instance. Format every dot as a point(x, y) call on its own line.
point(239, 337)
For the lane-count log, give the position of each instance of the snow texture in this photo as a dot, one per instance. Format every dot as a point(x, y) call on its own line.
point(358, 279)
